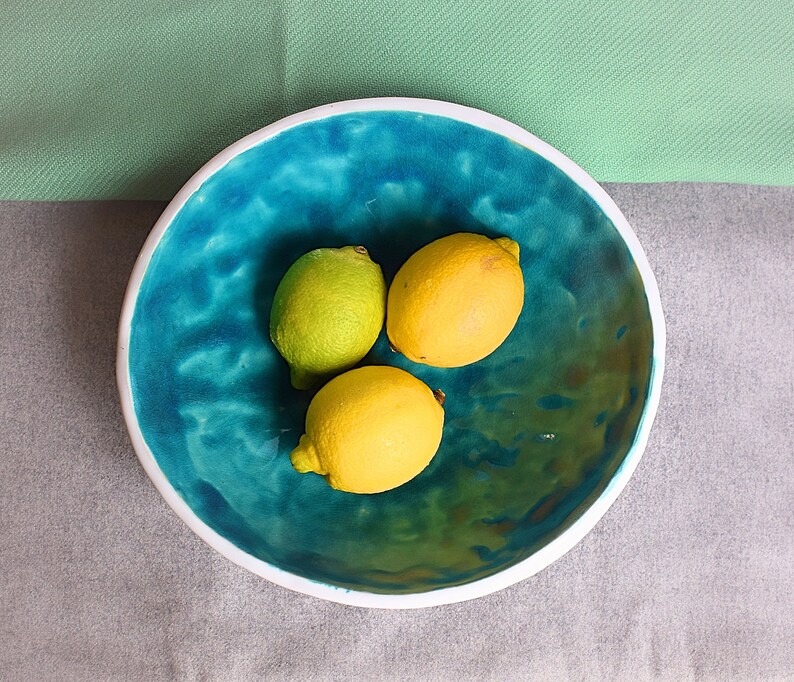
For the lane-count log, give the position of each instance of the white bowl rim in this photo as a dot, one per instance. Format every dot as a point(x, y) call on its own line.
point(447, 595)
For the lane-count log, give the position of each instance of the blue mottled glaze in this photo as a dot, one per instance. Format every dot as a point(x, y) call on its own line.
point(533, 433)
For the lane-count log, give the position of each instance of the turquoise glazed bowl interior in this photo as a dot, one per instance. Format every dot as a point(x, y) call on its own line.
point(535, 434)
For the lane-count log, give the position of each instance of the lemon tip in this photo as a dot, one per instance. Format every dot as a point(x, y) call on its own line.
point(304, 458)
point(509, 245)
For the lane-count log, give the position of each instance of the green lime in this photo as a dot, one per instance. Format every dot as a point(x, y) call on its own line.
point(327, 312)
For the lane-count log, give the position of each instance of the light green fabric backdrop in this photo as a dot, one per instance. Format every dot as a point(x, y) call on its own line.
point(106, 99)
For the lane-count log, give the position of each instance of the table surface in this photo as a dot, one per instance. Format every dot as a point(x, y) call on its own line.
point(119, 99)
point(688, 576)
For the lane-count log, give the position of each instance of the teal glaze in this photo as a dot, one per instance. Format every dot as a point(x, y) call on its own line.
point(533, 433)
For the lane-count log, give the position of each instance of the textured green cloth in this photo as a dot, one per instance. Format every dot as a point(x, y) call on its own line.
point(111, 98)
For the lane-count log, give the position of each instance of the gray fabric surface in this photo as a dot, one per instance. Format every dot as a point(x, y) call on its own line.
point(688, 576)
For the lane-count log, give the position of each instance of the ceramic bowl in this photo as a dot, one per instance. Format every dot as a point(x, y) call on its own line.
point(539, 438)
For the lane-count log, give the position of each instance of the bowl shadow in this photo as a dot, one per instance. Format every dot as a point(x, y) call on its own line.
point(101, 243)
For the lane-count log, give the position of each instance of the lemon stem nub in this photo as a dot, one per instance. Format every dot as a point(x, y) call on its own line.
point(440, 396)
point(304, 458)
point(361, 249)
point(393, 348)
point(510, 246)
point(300, 379)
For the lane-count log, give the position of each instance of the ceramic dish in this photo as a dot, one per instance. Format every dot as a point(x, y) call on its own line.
point(540, 437)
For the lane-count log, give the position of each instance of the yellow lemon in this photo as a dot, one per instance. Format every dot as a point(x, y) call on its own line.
point(327, 312)
point(455, 300)
point(370, 429)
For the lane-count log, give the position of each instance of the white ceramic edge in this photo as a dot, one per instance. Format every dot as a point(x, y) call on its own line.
point(529, 566)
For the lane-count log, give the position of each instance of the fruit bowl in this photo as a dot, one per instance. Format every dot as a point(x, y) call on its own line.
point(540, 437)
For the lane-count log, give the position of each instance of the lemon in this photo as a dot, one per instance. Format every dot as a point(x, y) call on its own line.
point(370, 429)
point(327, 312)
point(456, 300)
